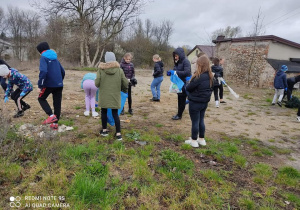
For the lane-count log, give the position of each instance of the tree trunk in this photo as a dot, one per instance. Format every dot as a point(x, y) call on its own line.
point(87, 52)
point(81, 53)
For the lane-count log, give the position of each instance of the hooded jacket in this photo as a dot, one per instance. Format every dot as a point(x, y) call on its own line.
point(183, 65)
point(128, 69)
point(158, 69)
point(51, 71)
point(199, 89)
point(280, 81)
point(218, 70)
point(18, 79)
point(111, 81)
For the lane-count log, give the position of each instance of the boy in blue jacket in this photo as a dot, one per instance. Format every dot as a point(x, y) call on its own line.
point(280, 84)
point(24, 88)
point(50, 82)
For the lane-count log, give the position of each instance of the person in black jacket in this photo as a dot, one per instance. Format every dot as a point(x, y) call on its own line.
point(218, 86)
point(200, 90)
point(280, 85)
point(182, 68)
point(290, 85)
point(158, 77)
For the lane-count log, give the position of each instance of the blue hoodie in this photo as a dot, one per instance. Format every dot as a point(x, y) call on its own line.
point(51, 71)
point(280, 81)
point(18, 79)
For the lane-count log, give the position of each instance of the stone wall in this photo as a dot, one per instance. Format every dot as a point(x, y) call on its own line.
point(239, 56)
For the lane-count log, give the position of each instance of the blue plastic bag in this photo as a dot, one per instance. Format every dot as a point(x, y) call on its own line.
point(178, 83)
point(110, 118)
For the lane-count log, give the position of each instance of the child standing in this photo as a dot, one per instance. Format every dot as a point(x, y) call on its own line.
point(88, 84)
point(50, 82)
point(111, 81)
point(24, 88)
point(128, 69)
point(158, 77)
point(218, 86)
point(280, 84)
point(200, 89)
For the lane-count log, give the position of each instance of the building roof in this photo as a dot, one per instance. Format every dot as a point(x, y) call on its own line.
point(209, 50)
point(257, 38)
point(293, 67)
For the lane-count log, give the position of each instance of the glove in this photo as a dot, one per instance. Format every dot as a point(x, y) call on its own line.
point(285, 89)
point(5, 99)
point(22, 94)
point(170, 72)
point(188, 78)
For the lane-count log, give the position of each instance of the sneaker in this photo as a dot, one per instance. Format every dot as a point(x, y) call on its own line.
point(122, 113)
point(217, 106)
point(27, 106)
point(201, 142)
point(119, 137)
point(50, 120)
point(191, 142)
point(273, 104)
point(223, 102)
point(279, 103)
point(298, 118)
point(19, 114)
point(176, 117)
point(54, 126)
point(103, 133)
point(86, 113)
point(95, 114)
point(130, 111)
point(153, 99)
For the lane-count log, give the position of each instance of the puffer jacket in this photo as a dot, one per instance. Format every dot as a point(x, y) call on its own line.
point(111, 81)
point(128, 69)
point(280, 81)
point(183, 65)
point(199, 89)
point(158, 69)
point(51, 72)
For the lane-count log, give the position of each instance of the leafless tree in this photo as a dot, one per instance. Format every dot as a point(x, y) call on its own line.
point(98, 21)
point(228, 32)
point(258, 29)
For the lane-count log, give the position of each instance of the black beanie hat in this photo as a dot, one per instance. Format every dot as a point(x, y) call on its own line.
point(42, 46)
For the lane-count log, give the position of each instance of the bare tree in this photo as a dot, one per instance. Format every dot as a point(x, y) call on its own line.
point(98, 21)
point(228, 32)
point(258, 29)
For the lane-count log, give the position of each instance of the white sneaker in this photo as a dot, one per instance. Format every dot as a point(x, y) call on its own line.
point(202, 142)
point(298, 118)
point(95, 114)
point(217, 104)
point(86, 113)
point(191, 142)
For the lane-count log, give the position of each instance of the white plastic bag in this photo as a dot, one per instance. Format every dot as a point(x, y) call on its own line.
point(174, 88)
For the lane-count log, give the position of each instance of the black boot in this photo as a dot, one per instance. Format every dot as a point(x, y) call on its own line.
point(130, 111)
point(25, 107)
point(19, 114)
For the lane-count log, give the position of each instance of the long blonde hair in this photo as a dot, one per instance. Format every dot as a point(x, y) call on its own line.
point(203, 66)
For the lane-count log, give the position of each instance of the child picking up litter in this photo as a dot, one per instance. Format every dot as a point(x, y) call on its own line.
point(24, 88)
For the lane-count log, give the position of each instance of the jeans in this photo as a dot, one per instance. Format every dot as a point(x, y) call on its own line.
point(155, 86)
point(197, 112)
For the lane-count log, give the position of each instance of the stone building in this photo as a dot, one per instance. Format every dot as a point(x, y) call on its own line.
point(256, 59)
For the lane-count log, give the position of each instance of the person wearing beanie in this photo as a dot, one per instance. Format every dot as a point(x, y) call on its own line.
point(128, 68)
point(110, 80)
point(51, 78)
point(24, 88)
point(3, 80)
point(280, 85)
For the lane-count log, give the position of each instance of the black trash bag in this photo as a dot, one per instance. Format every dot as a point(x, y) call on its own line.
point(294, 102)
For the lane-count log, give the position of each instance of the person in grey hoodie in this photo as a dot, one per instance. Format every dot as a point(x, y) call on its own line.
point(280, 84)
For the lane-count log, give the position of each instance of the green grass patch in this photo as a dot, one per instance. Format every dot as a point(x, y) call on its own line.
point(288, 176)
point(66, 122)
point(263, 172)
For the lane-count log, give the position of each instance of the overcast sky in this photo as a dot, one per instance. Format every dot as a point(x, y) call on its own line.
point(195, 20)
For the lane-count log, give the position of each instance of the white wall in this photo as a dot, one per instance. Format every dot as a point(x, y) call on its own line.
point(282, 52)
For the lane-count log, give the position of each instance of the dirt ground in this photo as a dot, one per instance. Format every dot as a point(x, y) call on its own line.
point(251, 115)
